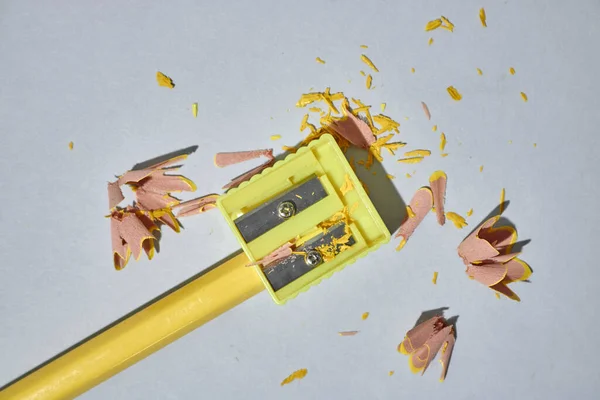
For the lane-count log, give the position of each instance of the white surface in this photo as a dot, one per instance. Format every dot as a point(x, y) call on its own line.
point(84, 71)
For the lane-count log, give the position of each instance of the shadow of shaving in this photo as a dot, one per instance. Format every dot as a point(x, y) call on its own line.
point(123, 318)
point(148, 163)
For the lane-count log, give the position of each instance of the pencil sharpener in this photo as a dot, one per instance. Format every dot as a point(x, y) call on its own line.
point(314, 199)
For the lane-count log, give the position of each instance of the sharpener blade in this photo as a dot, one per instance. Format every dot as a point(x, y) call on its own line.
point(296, 265)
point(269, 215)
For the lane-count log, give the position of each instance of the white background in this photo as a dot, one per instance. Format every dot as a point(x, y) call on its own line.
point(85, 71)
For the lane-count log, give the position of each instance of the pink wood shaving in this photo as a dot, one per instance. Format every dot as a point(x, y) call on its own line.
point(280, 253)
point(417, 336)
point(348, 333)
point(196, 206)
point(426, 110)
point(127, 227)
point(437, 181)
point(447, 354)
point(421, 204)
point(474, 249)
point(488, 274)
point(229, 158)
point(246, 176)
point(354, 130)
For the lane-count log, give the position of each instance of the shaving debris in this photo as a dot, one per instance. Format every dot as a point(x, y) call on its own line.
point(437, 181)
point(482, 17)
point(369, 81)
point(479, 71)
point(458, 220)
point(364, 46)
point(417, 153)
point(71, 145)
point(390, 177)
point(446, 24)
point(487, 253)
point(282, 252)
point(502, 199)
point(320, 60)
point(347, 186)
point(275, 137)
point(383, 105)
point(524, 97)
point(133, 227)
point(454, 93)
point(229, 158)
point(470, 212)
point(481, 168)
point(511, 70)
point(195, 110)
point(364, 316)
point(442, 141)
point(426, 110)
point(420, 204)
point(368, 61)
point(422, 343)
point(348, 333)
point(411, 160)
point(164, 81)
point(433, 24)
point(390, 373)
point(434, 128)
point(430, 42)
point(412, 70)
point(434, 279)
point(299, 374)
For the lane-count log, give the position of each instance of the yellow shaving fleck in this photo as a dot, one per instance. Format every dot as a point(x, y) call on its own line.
point(304, 123)
point(308, 98)
point(412, 70)
point(511, 70)
point(369, 81)
point(497, 295)
point(470, 212)
point(510, 142)
point(364, 316)
point(164, 80)
point(535, 145)
point(364, 46)
point(454, 93)
point(410, 212)
point(301, 373)
point(408, 175)
point(434, 279)
point(434, 128)
point(456, 219)
point(383, 105)
point(363, 73)
point(417, 153)
point(368, 61)
point(275, 137)
point(448, 25)
point(386, 123)
point(524, 97)
point(320, 60)
point(195, 110)
point(361, 162)
point(390, 176)
point(411, 160)
point(502, 196)
point(315, 109)
point(347, 186)
point(288, 148)
point(71, 145)
point(430, 42)
point(480, 72)
point(401, 245)
point(481, 168)
point(391, 373)
point(444, 154)
point(298, 196)
point(442, 141)
point(482, 17)
point(434, 24)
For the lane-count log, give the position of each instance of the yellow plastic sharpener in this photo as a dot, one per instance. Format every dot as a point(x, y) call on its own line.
point(251, 211)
